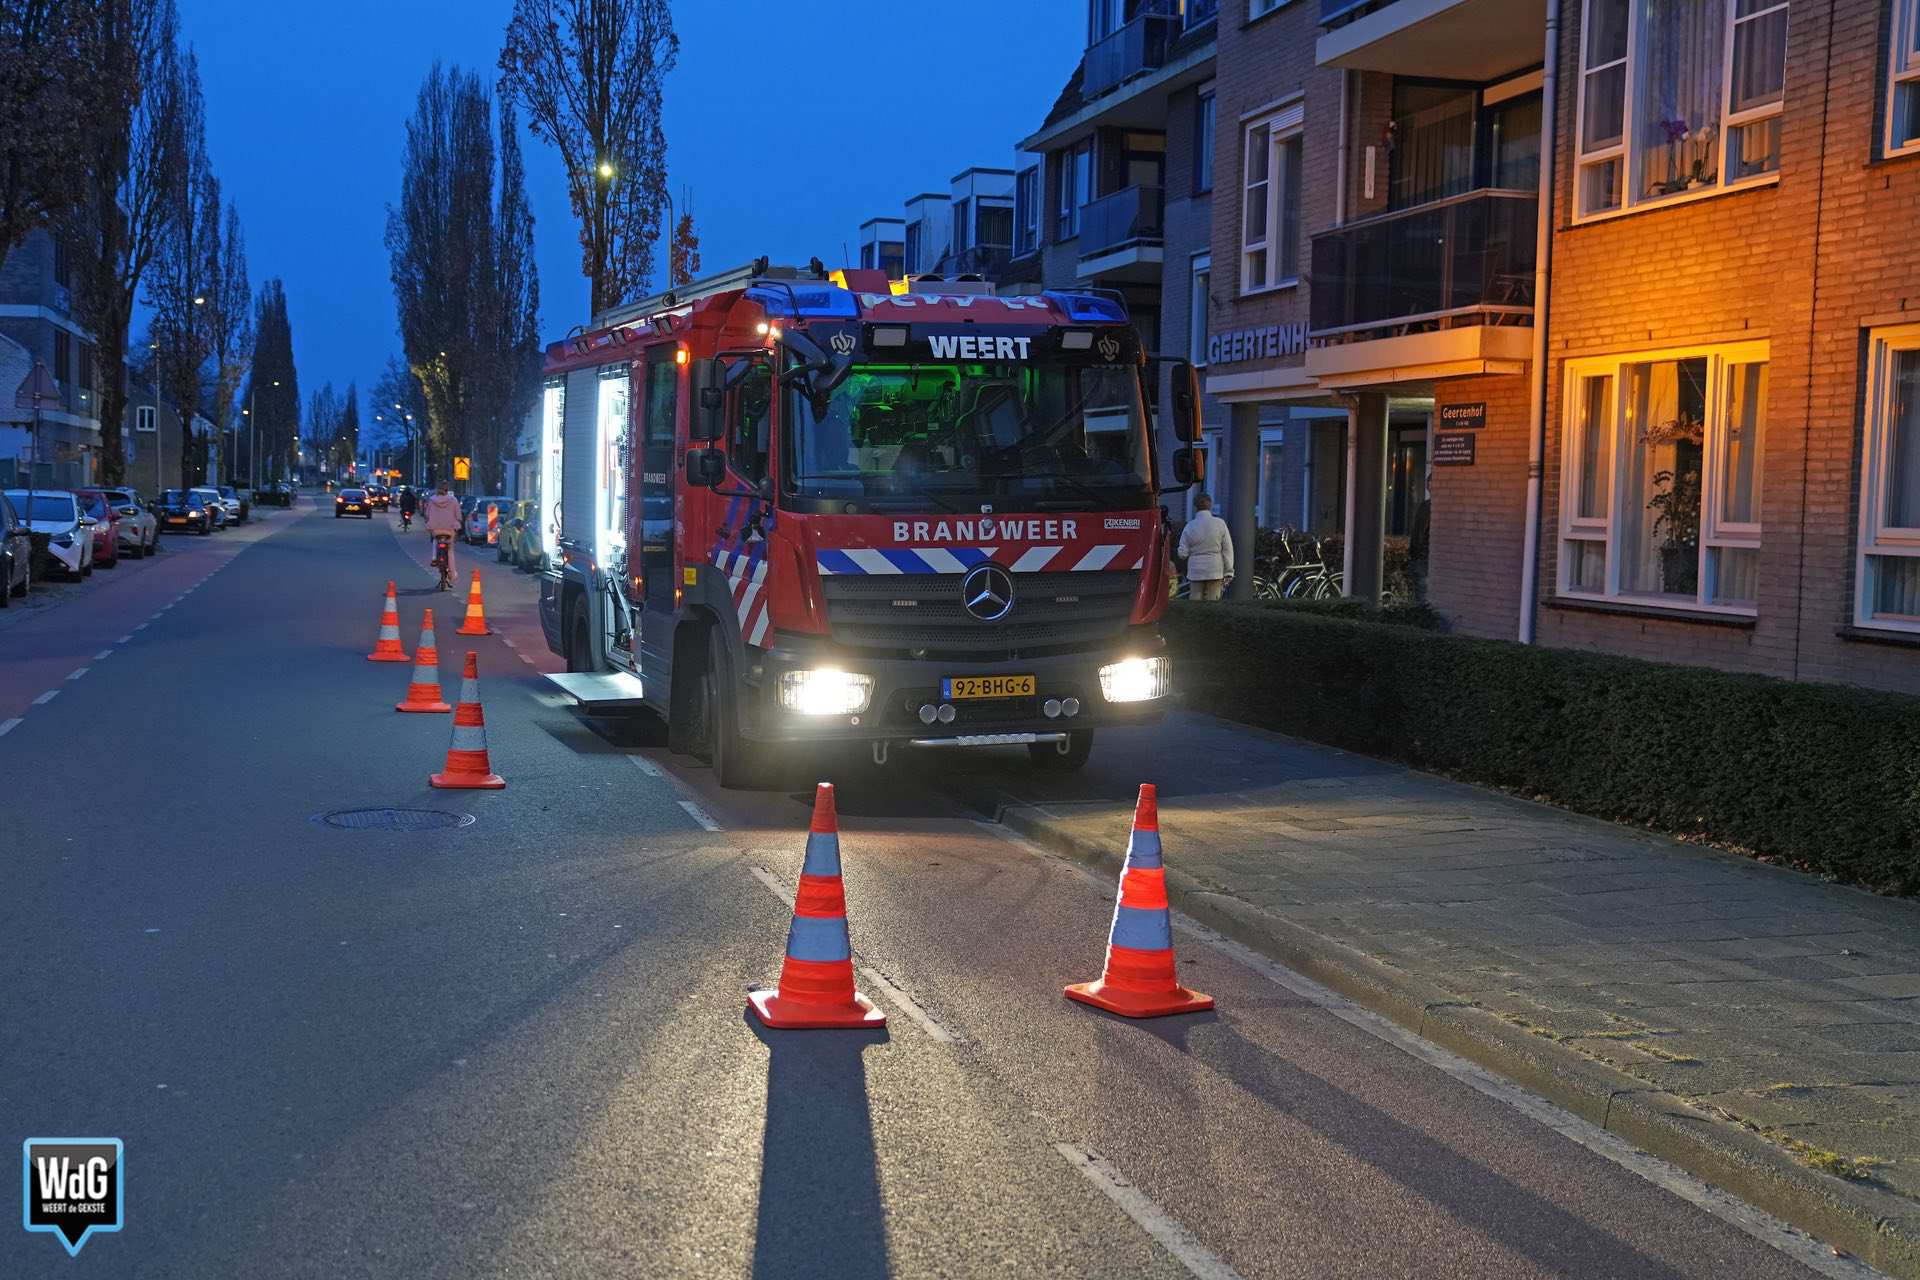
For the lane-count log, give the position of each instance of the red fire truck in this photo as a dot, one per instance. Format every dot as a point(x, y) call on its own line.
point(784, 509)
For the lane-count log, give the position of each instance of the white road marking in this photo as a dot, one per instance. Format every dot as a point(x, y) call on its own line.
point(780, 892)
point(907, 1005)
point(7, 726)
point(1730, 1209)
point(124, 639)
point(142, 627)
point(699, 815)
point(103, 655)
point(46, 697)
point(1174, 1238)
point(646, 766)
point(79, 672)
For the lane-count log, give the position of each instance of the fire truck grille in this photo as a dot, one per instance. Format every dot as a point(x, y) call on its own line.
point(922, 611)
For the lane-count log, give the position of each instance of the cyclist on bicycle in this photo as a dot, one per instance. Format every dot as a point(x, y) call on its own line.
point(409, 503)
point(442, 514)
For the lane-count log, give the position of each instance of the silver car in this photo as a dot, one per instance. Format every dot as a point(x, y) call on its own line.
point(224, 512)
point(139, 530)
point(61, 534)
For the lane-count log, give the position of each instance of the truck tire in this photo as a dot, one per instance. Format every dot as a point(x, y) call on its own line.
point(579, 639)
point(738, 765)
point(1047, 758)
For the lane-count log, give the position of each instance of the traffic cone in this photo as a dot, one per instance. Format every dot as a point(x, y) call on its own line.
point(816, 981)
point(1139, 982)
point(423, 691)
point(387, 647)
point(476, 620)
point(468, 768)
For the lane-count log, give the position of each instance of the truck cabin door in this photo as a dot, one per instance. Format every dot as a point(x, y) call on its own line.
point(652, 517)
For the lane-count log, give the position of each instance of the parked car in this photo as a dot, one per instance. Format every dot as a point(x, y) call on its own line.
point(478, 530)
point(280, 493)
point(352, 502)
point(62, 534)
point(223, 515)
point(513, 532)
point(139, 531)
point(106, 526)
point(186, 510)
point(239, 501)
point(16, 554)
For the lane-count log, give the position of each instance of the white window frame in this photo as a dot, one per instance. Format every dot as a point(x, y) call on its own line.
point(1201, 269)
point(1027, 201)
point(1877, 538)
point(1282, 128)
point(1714, 532)
point(1257, 9)
point(1624, 149)
point(1903, 69)
point(145, 418)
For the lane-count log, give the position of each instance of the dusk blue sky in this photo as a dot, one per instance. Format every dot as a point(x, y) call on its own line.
point(791, 124)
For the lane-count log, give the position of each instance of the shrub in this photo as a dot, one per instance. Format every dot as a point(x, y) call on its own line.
point(1820, 775)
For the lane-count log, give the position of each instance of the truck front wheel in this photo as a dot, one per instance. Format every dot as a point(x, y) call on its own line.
point(738, 765)
point(1048, 758)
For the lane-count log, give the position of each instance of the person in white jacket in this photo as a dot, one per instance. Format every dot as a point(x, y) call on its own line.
point(1207, 548)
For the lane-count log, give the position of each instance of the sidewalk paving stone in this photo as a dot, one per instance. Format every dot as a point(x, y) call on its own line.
point(1784, 1004)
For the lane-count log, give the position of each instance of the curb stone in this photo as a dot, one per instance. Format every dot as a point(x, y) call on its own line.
point(1878, 1227)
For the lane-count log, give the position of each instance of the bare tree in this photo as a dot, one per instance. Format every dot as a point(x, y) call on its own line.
point(56, 80)
point(186, 268)
point(116, 230)
point(346, 430)
point(589, 74)
point(322, 422)
point(683, 255)
point(398, 405)
point(229, 324)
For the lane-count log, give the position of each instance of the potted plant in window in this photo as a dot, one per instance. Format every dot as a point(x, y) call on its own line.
point(1676, 505)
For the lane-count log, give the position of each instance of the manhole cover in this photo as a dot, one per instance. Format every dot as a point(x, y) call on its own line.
point(393, 819)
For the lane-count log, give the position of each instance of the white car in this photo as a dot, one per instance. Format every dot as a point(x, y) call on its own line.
point(68, 535)
point(139, 530)
point(225, 511)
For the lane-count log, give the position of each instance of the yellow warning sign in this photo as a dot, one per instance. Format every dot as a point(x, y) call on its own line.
point(689, 575)
point(462, 468)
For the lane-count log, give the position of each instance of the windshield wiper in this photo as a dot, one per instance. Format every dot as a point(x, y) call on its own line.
point(1104, 498)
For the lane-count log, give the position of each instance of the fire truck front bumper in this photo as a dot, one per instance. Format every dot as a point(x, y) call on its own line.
point(820, 695)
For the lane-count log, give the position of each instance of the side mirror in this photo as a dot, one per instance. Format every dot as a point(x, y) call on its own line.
point(1189, 467)
point(705, 423)
point(1185, 398)
point(706, 468)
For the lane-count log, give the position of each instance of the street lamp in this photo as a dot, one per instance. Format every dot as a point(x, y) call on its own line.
point(606, 170)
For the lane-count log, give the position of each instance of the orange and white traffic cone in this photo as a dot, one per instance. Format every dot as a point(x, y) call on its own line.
point(476, 619)
point(423, 691)
point(387, 647)
point(1139, 981)
point(816, 980)
point(468, 768)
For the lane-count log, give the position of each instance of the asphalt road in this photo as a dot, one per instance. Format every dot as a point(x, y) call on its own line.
point(520, 1047)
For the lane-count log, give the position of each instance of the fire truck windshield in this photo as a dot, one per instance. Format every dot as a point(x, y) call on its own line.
point(951, 436)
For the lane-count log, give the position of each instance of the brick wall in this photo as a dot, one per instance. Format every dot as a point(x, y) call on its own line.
point(1803, 264)
point(1479, 513)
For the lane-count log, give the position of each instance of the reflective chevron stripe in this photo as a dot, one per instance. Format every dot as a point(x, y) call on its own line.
point(869, 561)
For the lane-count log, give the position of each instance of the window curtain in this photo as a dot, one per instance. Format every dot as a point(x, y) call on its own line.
point(1903, 443)
point(1678, 73)
point(1660, 529)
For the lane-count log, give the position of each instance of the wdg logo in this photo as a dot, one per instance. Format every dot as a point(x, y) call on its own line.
point(72, 1187)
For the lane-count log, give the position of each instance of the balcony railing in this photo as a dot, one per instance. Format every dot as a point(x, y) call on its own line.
point(1130, 215)
point(979, 259)
point(1134, 49)
point(1427, 267)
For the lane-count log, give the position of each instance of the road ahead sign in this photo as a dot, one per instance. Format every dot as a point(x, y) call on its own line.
point(462, 468)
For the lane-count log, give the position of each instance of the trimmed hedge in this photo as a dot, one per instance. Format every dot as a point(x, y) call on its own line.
point(1822, 776)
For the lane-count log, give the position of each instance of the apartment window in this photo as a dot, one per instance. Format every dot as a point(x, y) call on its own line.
point(1887, 575)
point(1075, 189)
point(913, 246)
point(62, 263)
point(1026, 199)
point(994, 228)
point(146, 418)
point(962, 226)
point(867, 260)
point(1678, 96)
point(1261, 8)
point(893, 259)
point(1197, 308)
point(1903, 71)
point(1270, 216)
point(1201, 11)
point(62, 356)
point(1203, 119)
point(1660, 496)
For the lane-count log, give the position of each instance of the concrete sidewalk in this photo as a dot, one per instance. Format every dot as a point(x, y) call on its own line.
point(1755, 1025)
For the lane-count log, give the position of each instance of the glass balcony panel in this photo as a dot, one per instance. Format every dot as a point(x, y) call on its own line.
point(1453, 257)
point(1128, 216)
point(1134, 49)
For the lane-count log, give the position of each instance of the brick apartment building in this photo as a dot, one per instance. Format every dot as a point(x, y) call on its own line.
point(36, 314)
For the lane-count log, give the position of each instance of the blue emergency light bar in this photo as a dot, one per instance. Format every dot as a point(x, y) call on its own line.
point(1088, 306)
point(805, 300)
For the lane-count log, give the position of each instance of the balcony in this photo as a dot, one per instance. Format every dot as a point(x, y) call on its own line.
point(1135, 49)
point(1448, 39)
point(1120, 235)
point(1332, 11)
point(981, 259)
point(1467, 259)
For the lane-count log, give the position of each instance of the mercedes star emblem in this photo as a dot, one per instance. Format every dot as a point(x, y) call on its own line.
point(987, 592)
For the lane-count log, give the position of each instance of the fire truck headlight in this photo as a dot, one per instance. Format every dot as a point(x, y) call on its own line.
point(825, 691)
point(1135, 679)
